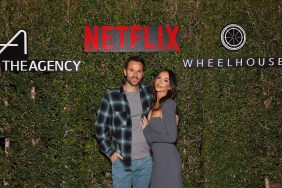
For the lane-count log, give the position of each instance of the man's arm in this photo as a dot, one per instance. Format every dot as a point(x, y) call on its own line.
point(102, 128)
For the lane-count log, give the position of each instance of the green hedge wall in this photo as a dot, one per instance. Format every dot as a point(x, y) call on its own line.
point(230, 122)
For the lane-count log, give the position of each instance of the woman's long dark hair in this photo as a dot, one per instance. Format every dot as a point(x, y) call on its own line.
point(170, 93)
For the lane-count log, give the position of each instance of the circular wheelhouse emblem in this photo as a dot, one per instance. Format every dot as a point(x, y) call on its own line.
point(233, 37)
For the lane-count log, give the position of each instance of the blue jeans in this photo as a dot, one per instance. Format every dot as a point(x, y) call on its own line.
point(139, 177)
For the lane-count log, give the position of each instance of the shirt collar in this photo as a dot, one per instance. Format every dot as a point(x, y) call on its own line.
point(123, 92)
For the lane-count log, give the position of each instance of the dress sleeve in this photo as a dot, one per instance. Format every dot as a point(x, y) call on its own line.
point(169, 131)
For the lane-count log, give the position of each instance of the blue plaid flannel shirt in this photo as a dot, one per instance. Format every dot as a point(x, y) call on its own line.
point(113, 124)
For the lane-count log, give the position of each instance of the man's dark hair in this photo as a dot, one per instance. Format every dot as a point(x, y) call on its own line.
point(134, 58)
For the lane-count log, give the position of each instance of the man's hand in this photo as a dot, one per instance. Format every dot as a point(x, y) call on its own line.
point(115, 156)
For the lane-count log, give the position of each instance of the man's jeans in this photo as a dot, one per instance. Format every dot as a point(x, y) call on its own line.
point(139, 177)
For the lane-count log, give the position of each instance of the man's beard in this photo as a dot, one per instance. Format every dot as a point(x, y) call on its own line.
point(133, 83)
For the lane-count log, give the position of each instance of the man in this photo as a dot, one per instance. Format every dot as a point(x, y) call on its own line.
point(118, 130)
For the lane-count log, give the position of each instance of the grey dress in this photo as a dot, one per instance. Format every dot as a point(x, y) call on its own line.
point(161, 134)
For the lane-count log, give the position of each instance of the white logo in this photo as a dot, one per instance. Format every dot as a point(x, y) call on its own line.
point(233, 37)
point(4, 46)
point(14, 58)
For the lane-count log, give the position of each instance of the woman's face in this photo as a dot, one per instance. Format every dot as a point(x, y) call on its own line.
point(162, 83)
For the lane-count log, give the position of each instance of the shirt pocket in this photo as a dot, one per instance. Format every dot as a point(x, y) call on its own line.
point(120, 119)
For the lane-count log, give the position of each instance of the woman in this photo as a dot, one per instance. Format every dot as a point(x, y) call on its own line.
point(160, 130)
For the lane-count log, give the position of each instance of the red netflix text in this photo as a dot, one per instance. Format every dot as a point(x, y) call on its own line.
point(131, 38)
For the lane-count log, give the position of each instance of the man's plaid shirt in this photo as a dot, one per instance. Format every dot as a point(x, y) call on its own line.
point(113, 124)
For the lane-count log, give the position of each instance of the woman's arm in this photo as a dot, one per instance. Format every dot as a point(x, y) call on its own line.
point(169, 133)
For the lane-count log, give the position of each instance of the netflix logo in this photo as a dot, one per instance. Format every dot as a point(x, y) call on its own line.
point(131, 38)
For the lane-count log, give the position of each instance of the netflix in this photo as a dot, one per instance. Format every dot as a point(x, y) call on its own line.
point(131, 38)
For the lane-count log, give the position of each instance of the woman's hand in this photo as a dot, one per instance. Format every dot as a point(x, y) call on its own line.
point(144, 122)
point(177, 119)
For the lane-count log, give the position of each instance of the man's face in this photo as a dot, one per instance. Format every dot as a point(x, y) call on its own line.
point(134, 73)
